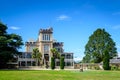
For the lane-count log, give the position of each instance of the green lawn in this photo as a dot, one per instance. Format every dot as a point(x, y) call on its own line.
point(59, 75)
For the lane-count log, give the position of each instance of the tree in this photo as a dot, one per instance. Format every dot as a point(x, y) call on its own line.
point(106, 61)
point(98, 42)
point(52, 63)
point(86, 58)
point(55, 53)
point(62, 63)
point(9, 45)
point(37, 55)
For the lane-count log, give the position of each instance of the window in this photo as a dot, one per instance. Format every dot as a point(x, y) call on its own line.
point(68, 63)
point(63, 55)
point(49, 37)
point(68, 56)
point(43, 36)
point(58, 63)
point(46, 49)
point(46, 37)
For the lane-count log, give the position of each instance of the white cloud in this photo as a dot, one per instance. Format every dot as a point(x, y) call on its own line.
point(63, 17)
point(77, 59)
point(78, 54)
point(116, 27)
point(14, 28)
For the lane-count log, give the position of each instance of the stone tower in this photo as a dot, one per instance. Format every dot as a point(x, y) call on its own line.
point(45, 40)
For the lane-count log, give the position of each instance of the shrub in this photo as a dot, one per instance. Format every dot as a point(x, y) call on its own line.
point(113, 67)
point(52, 63)
point(97, 68)
point(106, 60)
point(62, 63)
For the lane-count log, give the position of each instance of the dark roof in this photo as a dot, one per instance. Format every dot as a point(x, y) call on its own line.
point(58, 44)
point(30, 43)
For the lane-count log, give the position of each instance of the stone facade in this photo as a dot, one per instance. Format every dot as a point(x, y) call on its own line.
point(44, 43)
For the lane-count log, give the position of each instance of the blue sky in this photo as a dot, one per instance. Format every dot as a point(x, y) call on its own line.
point(73, 21)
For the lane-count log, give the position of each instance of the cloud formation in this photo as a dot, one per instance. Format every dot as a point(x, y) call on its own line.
point(63, 17)
point(77, 59)
point(14, 28)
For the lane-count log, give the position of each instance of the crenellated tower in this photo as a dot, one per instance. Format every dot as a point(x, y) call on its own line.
point(45, 40)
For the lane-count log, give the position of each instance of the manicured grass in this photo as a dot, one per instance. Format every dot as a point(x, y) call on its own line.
point(59, 75)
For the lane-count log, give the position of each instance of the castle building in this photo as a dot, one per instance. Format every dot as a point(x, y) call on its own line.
point(45, 43)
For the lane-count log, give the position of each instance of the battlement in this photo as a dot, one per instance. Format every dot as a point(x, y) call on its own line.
point(30, 43)
point(58, 44)
point(49, 30)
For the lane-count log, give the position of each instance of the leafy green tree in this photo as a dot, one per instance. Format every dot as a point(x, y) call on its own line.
point(9, 45)
point(98, 42)
point(86, 58)
point(62, 63)
point(52, 63)
point(106, 61)
point(37, 55)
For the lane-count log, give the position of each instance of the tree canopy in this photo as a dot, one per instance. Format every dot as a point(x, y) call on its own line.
point(98, 42)
point(9, 45)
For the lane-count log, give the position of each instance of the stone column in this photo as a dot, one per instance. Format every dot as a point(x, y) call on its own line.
point(25, 63)
point(20, 63)
point(31, 63)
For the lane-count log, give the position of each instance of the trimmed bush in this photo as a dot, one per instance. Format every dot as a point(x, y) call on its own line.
point(52, 63)
point(106, 60)
point(62, 63)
